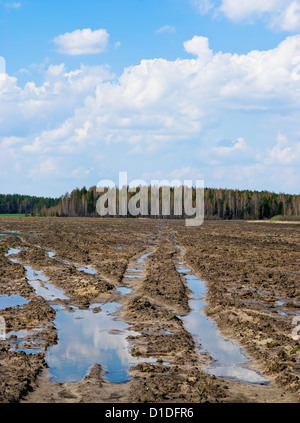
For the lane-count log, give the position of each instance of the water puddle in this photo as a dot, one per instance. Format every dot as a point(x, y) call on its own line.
point(143, 258)
point(50, 254)
point(11, 301)
point(9, 233)
point(130, 269)
point(15, 233)
point(228, 358)
point(136, 269)
point(134, 276)
point(123, 290)
point(47, 291)
point(88, 270)
point(37, 280)
point(85, 337)
point(12, 252)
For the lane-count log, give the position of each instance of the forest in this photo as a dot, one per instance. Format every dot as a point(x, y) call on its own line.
point(25, 204)
point(218, 204)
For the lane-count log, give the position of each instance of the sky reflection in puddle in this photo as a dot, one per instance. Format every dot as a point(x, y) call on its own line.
point(229, 360)
point(12, 301)
point(47, 291)
point(86, 338)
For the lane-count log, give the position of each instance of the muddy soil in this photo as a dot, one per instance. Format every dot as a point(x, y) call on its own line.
point(253, 293)
point(248, 268)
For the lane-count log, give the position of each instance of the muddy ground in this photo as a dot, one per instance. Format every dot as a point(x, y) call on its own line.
point(248, 268)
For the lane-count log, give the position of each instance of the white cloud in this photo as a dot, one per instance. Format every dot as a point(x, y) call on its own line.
point(204, 6)
point(239, 10)
point(8, 142)
point(12, 5)
point(279, 14)
point(47, 166)
point(238, 146)
point(186, 173)
point(289, 19)
point(284, 152)
point(199, 46)
point(160, 102)
point(79, 114)
point(83, 41)
point(156, 102)
point(166, 28)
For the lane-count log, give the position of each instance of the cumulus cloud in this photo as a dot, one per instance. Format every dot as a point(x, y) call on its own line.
point(199, 46)
point(284, 152)
point(237, 10)
point(151, 107)
point(160, 102)
point(239, 146)
point(279, 14)
point(156, 101)
point(40, 106)
point(84, 41)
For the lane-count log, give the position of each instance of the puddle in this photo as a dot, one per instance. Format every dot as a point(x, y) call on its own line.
point(11, 301)
point(20, 333)
point(27, 350)
point(37, 280)
point(15, 233)
point(88, 270)
point(12, 252)
point(84, 337)
point(137, 267)
point(47, 291)
point(52, 254)
point(134, 270)
point(142, 258)
point(123, 290)
point(229, 359)
point(133, 276)
point(9, 233)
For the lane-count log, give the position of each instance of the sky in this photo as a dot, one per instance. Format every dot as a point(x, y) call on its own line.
point(161, 89)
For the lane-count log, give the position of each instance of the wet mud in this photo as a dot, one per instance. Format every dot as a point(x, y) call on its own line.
point(57, 267)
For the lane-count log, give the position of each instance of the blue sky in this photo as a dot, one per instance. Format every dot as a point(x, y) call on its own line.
point(162, 89)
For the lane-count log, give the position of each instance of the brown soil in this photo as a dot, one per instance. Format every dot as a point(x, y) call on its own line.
point(247, 266)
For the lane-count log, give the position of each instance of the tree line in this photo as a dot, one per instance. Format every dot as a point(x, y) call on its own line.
point(218, 204)
point(25, 204)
